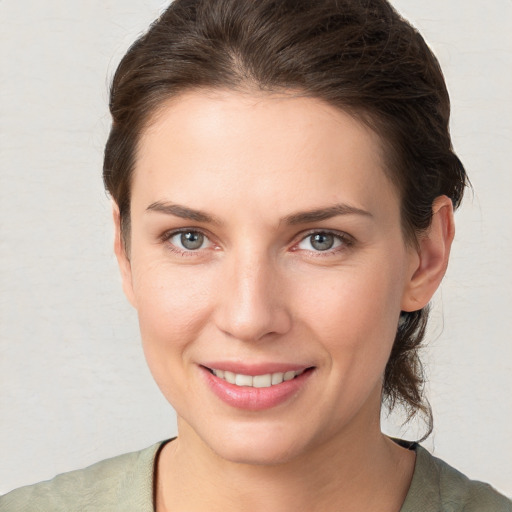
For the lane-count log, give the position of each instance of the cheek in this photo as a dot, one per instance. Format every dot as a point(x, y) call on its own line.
point(354, 312)
point(172, 305)
point(173, 308)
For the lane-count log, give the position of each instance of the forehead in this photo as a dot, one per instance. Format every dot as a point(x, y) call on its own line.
point(258, 150)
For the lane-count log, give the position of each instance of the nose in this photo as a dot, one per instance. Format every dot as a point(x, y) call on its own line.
point(251, 300)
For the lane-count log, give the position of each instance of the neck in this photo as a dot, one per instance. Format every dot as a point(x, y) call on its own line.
point(367, 472)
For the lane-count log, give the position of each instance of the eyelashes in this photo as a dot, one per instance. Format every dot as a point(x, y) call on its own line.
point(194, 242)
point(187, 242)
point(324, 242)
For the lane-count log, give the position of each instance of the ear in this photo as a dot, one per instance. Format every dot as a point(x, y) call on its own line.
point(122, 256)
point(431, 258)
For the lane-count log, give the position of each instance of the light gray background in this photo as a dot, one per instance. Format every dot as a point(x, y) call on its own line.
point(74, 387)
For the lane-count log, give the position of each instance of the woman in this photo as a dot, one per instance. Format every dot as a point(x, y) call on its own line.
point(283, 185)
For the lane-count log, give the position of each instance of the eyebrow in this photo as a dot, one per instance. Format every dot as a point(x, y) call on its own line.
point(324, 213)
point(309, 216)
point(183, 212)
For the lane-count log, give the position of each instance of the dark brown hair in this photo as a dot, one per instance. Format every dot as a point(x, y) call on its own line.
point(358, 55)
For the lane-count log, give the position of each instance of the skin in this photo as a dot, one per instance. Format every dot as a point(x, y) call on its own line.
point(258, 291)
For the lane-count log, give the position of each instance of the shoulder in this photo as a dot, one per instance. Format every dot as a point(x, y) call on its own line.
point(105, 485)
point(437, 486)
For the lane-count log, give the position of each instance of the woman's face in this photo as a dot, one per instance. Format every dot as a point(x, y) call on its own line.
point(266, 245)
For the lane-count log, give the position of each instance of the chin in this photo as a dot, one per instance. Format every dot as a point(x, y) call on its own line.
point(262, 445)
point(269, 452)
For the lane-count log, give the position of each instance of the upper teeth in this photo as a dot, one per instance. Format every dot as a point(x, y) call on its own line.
point(256, 381)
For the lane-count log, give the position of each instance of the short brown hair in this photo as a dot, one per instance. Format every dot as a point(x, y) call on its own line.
point(358, 55)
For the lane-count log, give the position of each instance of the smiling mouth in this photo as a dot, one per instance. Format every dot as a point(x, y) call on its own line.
point(266, 380)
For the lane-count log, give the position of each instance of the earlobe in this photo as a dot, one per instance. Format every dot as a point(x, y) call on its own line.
point(122, 257)
point(433, 251)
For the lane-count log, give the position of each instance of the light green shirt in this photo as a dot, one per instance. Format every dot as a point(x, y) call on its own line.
point(125, 483)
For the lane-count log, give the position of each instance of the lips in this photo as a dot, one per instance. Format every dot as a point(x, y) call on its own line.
point(255, 388)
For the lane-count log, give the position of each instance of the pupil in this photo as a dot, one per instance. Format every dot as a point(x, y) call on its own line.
point(192, 240)
point(322, 241)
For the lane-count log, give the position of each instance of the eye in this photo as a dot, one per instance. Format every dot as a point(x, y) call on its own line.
point(321, 241)
point(189, 240)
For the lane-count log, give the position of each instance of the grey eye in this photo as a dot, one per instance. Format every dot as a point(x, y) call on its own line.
point(322, 241)
point(191, 240)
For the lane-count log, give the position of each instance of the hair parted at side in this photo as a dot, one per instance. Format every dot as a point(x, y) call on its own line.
point(357, 55)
